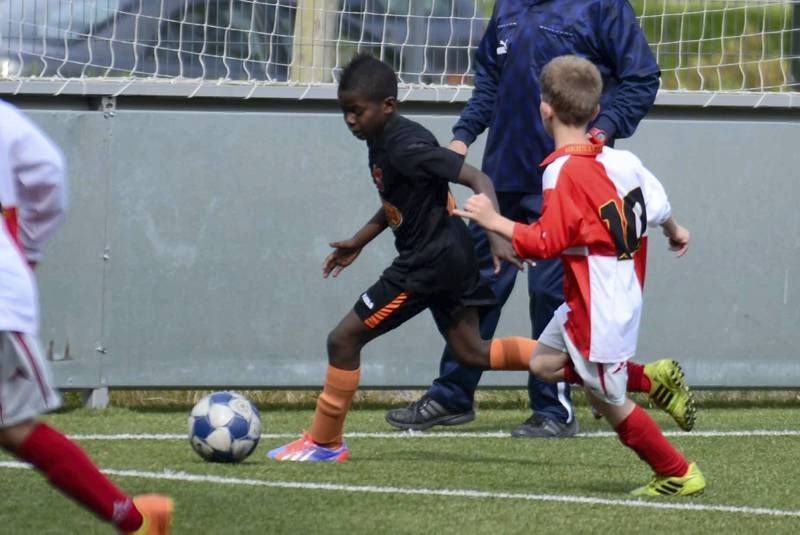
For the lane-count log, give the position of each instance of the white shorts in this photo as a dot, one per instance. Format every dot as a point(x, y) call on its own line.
point(26, 385)
point(606, 380)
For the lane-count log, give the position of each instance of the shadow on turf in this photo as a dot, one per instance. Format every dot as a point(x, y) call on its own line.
point(538, 470)
point(417, 455)
point(603, 487)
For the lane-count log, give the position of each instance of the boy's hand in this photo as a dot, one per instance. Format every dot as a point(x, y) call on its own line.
point(503, 251)
point(479, 209)
point(458, 146)
point(345, 252)
point(678, 238)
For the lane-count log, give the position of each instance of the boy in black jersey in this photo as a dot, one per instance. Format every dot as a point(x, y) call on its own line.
point(435, 268)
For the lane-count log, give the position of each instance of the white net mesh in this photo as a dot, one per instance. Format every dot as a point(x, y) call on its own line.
point(701, 45)
point(730, 45)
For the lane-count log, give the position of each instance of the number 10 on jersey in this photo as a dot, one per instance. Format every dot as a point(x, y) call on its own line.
point(627, 226)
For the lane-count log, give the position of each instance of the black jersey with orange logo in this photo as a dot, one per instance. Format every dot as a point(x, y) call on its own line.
point(412, 174)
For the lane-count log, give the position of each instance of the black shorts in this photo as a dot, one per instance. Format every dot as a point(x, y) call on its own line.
point(386, 305)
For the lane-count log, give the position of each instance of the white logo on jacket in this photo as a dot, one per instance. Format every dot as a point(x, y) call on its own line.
point(503, 48)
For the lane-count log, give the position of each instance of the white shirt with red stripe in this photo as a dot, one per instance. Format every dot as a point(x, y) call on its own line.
point(598, 203)
point(33, 200)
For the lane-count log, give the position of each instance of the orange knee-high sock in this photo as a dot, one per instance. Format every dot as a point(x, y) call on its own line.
point(511, 353)
point(332, 405)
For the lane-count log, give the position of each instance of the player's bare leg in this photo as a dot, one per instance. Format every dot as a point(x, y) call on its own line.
point(12, 437)
point(346, 340)
point(614, 414)
point(507, 353)
point(463, 337)
point(465, 343)
point(548, 363)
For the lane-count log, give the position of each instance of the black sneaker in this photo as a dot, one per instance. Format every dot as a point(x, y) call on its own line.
point(543, 427)
point(425, 413)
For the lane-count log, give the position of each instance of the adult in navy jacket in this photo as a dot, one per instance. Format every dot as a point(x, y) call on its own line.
point(521, 37)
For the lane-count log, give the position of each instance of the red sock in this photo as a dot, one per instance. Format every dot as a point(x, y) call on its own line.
point(68, 468)
point(571, 376)
point(637, 380)
point(641, 434)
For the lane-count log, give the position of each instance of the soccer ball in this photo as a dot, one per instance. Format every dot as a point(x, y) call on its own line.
point(224, 427)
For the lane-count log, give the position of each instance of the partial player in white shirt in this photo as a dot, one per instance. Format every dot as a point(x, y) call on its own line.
point(33, 200)
point(598, 203)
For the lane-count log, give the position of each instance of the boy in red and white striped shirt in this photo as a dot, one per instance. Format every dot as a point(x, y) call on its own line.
point(598, 204)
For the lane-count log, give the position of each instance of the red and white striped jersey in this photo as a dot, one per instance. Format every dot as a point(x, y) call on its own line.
point(32, 200)
point(598, 203)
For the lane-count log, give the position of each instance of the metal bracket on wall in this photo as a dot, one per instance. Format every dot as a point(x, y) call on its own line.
point(97, 398)
point(108, 105)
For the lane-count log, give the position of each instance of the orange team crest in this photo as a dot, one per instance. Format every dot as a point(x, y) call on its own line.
point(377, 177)
point(451, 202)
point(393, 215)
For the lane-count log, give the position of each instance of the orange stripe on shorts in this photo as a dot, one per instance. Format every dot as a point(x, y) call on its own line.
point(374, 320)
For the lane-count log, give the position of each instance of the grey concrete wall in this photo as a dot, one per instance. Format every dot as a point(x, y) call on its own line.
point(214, 223)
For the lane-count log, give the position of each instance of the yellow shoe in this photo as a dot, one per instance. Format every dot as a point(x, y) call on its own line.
point(691, 484)
point(668, 390)
point(157, 513)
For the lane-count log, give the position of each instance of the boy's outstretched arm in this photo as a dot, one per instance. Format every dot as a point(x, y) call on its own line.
point(481, 184)
point(546, 238)
point(346, 251)
point(480, 209)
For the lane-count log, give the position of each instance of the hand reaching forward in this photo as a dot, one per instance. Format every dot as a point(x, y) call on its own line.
point(479, 209)
point(344, 253)
point(503, 251)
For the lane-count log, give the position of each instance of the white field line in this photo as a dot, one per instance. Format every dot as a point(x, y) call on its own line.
point(446, 434)
point(456, 493)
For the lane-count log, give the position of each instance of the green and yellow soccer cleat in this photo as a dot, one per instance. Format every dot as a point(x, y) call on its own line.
point(691, 484)
point(669, 391)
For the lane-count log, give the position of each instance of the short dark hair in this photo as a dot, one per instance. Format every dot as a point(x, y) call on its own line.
point(572, 86)
point(369, 77)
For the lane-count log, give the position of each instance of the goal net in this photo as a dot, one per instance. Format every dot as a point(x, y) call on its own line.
point(252, 47)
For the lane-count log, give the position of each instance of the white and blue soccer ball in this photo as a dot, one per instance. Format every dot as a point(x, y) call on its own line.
point(224, 427)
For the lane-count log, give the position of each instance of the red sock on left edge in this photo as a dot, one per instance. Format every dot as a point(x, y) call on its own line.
point(70, 470)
